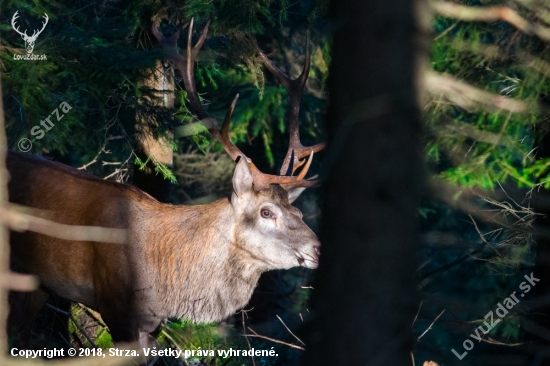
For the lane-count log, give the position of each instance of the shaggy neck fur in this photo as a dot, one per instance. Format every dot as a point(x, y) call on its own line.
point(200, 274)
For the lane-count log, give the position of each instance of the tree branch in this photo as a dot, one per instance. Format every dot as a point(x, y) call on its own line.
point(18, 221)
point(469, 97)
point(256, 335)
point(490, 14)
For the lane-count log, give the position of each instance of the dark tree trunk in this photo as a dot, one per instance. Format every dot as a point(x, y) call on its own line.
point(365, 297)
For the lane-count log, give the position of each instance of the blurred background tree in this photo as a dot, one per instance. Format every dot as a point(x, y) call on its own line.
point(486, 114)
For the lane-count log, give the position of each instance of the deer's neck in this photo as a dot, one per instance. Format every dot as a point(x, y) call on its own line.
point(197, 272)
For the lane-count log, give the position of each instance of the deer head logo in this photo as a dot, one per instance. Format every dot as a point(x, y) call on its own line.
point(29, 40)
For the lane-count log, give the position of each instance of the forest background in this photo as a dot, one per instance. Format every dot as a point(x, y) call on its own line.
point(485, 108)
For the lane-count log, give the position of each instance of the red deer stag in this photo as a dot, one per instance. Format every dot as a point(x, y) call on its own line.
point(195, 262)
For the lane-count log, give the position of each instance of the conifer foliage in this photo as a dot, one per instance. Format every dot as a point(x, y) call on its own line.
point(97, 52)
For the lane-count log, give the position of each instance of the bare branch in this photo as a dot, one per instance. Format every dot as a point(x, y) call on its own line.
point(4, 232)
point(430, 327)
point(256, 335)
point(243, 312)
point(18, 221)
point(281, 320)
point(540, 7)
point(474, 133)
point(493, 52)
point(417, 313)
point(94, 160)
point(490, 14)
point(469, 97)
point(18, 282)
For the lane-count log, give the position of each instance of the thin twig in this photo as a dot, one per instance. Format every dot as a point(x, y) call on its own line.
point(256, 335)
point(58, 310)
point(243, 312)
point(442, 35)
point(418, 312)
point(492, 341)
point(94, 160)
point(430, 327)
point(281, 320)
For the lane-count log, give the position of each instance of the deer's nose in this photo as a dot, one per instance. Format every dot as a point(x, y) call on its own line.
point(317, 251)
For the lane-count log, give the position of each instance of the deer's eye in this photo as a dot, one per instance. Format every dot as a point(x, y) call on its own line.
point(267, 214)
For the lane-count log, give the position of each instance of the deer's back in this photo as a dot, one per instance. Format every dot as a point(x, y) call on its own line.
point(65, 195)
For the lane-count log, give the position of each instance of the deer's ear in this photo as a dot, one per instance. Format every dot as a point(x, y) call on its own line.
point(242, 177)
point(294, 193)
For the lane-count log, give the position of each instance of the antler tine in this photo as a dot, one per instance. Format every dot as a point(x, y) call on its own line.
point(186, 66)
point(303, 173)
point(192, 94)
point(223, 135)
point(304, 183)
point(294, 88)
point(189, 68)
point(193, 50)
point(261, 180)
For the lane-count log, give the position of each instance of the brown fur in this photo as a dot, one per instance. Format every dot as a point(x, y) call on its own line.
point(196, 262)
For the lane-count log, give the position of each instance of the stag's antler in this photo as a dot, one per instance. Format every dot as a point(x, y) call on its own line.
point(186, 66)
point(295, 89)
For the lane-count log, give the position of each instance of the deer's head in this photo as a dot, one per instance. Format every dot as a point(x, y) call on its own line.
point(269, 230)
point(268, 227)
point(29, 40)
